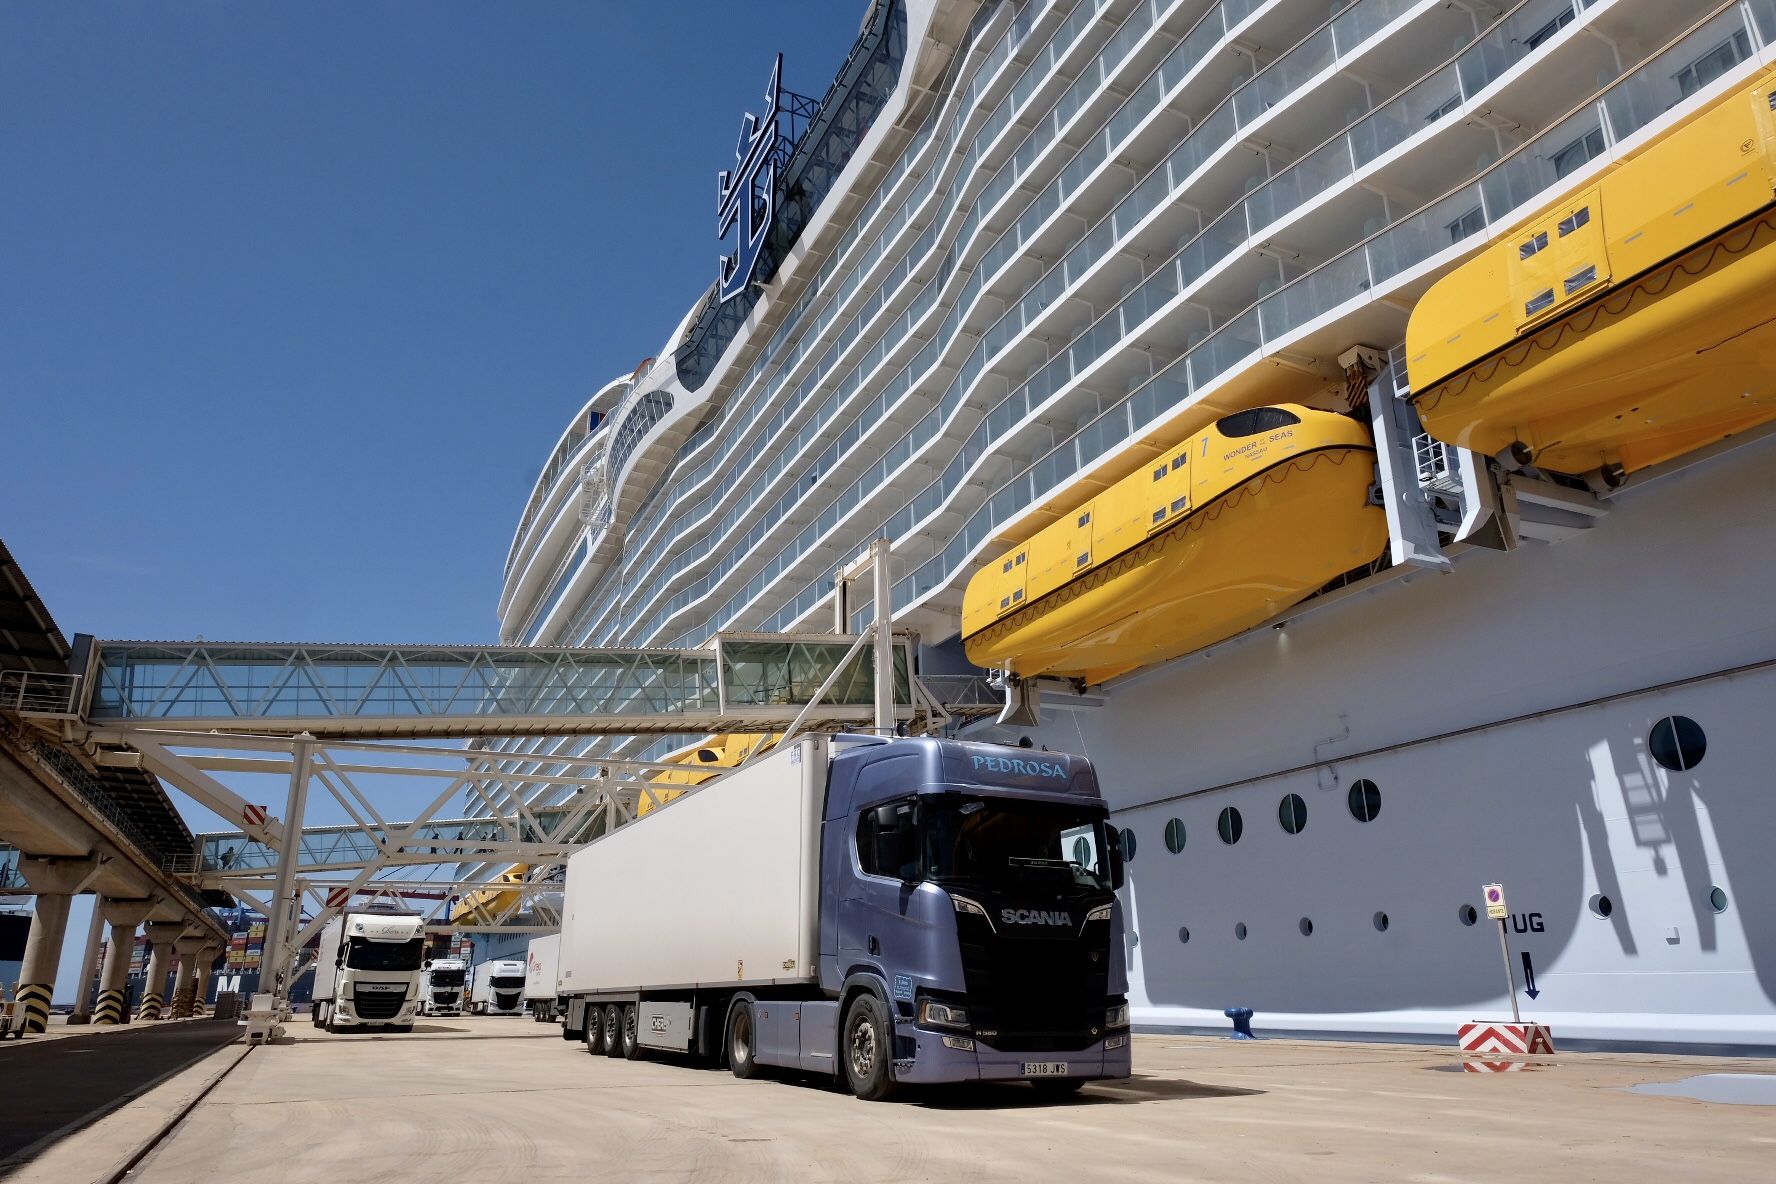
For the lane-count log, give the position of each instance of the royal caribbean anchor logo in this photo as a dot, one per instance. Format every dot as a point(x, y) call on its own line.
point(747, 195)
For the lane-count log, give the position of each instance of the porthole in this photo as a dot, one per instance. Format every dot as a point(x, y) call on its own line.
point(1230, 825)
point(1717, 899)
point(1364, 799)
point(1468, 914)
point(1306, 927)
point(1128, 845)
point(1175, 836)
point(1239, 931)
point(1601, 905)
point(1183, 935)
point(1380, 921)
point(1292, 813)
point(1678, 743)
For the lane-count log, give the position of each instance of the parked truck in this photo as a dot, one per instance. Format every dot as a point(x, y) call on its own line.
point(540, 994)
point(888, 911)
point(367, 972)
point(498, 988)
point(442, 986)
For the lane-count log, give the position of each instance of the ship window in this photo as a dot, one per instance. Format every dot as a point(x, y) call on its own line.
point(1161, 471)
point(1472, 222)
point(1468, 914)
point(1380, 921)
point(1529, 249)
point(1230, 826)
point(1601, 905)
point(1364, 799)
point(1713, 64)
point(1444, 108)
point(1578, 279)
point(1541, 300)
point(1292, 813)
point(1717, 899)
point(1180, 504)
point(1183, 934)
point(1306, 926)
point(1678, 743)
point(1239, 931)
point(1085, 519)
point(1259, 419)
point(1578, 152)
point(1573, 221)
point(1159, 514)
point(1128, 845)
point(1085, 557)
point(1548, 30)
point(1175, 836)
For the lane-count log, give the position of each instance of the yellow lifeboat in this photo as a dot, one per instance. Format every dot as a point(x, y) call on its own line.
point(1235, 525)
point(484, 904)
point(703, 763)
point(1627, 323)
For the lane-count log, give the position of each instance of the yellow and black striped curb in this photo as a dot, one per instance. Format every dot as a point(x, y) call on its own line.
point(33, 1001)
point(109, 1010)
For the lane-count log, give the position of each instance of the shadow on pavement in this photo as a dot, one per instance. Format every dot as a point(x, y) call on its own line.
point(1015, 1095)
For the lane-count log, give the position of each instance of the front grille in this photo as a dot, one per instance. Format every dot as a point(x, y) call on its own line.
point(1041, 994)
point(444, 998)
point(505, 1002)
point(378, 1005)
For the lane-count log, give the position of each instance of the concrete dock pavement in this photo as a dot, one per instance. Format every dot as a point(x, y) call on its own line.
point(502, 1099)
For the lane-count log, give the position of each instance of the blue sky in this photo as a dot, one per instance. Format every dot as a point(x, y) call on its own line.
point(295, 298)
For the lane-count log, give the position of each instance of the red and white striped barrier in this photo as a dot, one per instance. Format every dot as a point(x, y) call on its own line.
point(1495, 1066)
point(1512, 1039)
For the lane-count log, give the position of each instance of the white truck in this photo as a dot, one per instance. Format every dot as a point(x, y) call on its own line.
point(540, 989)
point(367, 973)
point(498, 988)
point(442, 986)
point(883, 911)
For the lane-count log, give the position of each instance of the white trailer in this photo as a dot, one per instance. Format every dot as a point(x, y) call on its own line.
point(498, 988)
point(541, 992)
point(367, 973)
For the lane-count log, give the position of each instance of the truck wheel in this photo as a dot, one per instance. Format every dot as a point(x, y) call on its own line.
point(613, 1030)
point(631, 1034)
point(595, 1031)
point(866, 1046)
point(741, 1046)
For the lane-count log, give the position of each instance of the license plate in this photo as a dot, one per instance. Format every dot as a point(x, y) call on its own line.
point(1045, 1068)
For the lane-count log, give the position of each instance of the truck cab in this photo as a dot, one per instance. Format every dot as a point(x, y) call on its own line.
point(367, 973)
point(498, 988)
point(443, 985)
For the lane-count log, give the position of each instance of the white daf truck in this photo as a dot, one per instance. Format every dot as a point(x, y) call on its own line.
point(541, 994)
point(367, 973)
point(498, 988)
point(442, 986)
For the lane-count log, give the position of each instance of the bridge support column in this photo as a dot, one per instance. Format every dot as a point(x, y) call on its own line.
point(161, 935)
point(95, 933)
point(123, 916)
point(183, 985)
point(56, 882)
point(206, 959)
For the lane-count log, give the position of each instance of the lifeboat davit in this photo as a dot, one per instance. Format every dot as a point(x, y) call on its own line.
point(1222, 533)
point(1628, 323)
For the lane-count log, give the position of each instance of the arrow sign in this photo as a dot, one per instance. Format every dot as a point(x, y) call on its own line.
point(1529, 976)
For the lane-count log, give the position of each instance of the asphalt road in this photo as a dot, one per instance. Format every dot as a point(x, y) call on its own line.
point(71, 1082)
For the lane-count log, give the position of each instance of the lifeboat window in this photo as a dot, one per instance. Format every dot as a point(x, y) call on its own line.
point(1007, 566)
point(1180, 504)
point(1178, 461)
point(1576, 219)
point(1541, 300)
point(1085, 518)
point(1085, 557)
point(1161, 471)
point(1259, 419)
point(1020, 557)
point(1578, 279)
point(1017, 594)
point(1159, 514)
point(1005, 602)
point(1529, 249)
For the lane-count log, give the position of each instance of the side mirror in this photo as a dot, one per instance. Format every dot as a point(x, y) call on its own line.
point(1114, 850)
point(893, 849)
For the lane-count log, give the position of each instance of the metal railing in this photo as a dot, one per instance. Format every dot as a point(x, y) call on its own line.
point(31, 692)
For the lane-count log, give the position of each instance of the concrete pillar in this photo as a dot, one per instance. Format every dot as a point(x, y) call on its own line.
point(206, 958)
point(183, 986)
point(56, 882)
point(95, 933)
point(123, 916)
point(161, 935)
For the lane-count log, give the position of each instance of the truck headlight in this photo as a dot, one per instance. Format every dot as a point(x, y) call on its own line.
point(942, 1015)
point(964, 905)
point(1101, 913)
point(1117, 1016)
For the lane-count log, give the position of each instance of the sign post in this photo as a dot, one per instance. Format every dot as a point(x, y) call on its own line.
point(1498, 911)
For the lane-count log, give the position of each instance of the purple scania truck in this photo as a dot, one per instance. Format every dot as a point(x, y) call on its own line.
point(886, 911)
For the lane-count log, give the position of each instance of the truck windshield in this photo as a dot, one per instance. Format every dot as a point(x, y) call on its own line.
point(1007, 842)
point(447, 978)
point(362, 954)
point(508, 982)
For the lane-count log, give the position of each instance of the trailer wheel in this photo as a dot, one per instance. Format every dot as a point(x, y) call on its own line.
point(613, 1030)
point(631, 1032)
point(866, 1046)
point(594, 1033)
point(741, 1044)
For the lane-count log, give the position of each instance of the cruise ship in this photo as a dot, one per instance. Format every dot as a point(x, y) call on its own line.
point(1346, 421)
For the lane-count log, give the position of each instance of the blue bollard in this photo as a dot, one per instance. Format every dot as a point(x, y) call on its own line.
point(1242, 1022)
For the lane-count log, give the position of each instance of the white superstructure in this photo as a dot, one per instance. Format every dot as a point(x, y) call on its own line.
point(1034, 240)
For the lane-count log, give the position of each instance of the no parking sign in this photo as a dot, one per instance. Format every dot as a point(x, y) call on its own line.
point(1495, 901)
